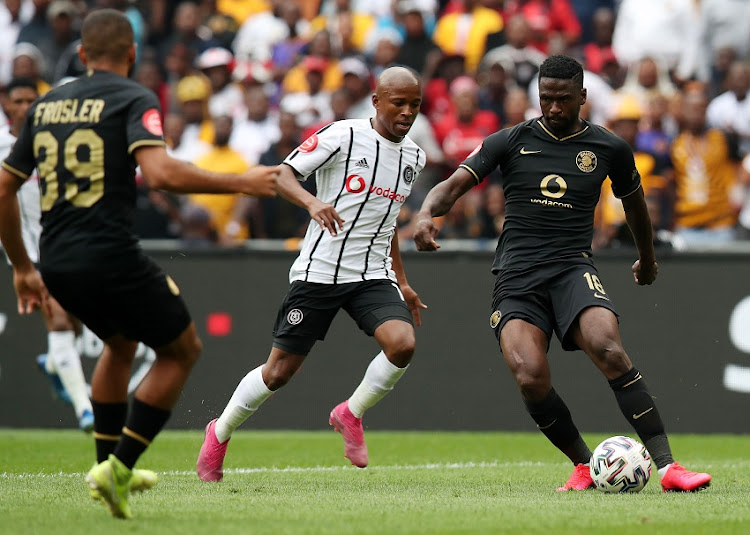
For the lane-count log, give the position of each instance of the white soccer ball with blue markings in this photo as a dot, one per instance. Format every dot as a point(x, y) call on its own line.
point(620, 464)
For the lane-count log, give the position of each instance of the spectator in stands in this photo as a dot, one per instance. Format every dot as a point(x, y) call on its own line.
point(722, 33)
point(664, 31)
point(554, 25)
point(227, 211)
point(517, 107)
point(437, 98)
point(285, 53)
point(174, 129)
point(253, 135)
point(192, 94)
point(341, 101)
point(53, 38)
point(281, 219)
point(646, 78)
point(657, 129)
point(495, 81)
point(38, 27)
point(585, 11)
point(349, 29)
point(492, 211)
point(387, 44)
point(417, 45)
point(29, 63)
point(464, 33)
point(150, 75)
point(611, 228)
point(461, 131)
point(14, 14)
point(320, 46)
point(517, 51)
point(705, 164)
point(260, 32)
point(599, 51)
point(226, 96)
point(223, 27)
point(358, 82)
point(188, 31)
point(730, 111)
point(314, 105)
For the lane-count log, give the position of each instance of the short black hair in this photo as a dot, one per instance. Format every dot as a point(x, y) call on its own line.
point(15, 83)
point(562, 68)
point(106, 33)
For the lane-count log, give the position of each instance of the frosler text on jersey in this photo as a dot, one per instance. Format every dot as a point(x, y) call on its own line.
point(68, 111)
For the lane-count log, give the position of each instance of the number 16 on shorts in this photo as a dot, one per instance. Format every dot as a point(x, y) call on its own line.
point(596, 286)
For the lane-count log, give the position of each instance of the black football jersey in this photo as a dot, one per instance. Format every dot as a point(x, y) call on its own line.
point(551, 187)
point(81, 137)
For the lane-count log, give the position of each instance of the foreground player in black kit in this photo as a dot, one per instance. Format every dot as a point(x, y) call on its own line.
point(86, 139)
point(553, 168)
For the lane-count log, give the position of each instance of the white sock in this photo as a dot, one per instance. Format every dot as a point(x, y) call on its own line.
point(67, 364)
point(379, 379)
point(663, 471)
point(247, 397)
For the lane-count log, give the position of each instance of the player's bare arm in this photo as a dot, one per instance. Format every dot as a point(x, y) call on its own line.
point(411, 297)
point(29, 286)
point(161, 171)
point(645, 268)
point(438, 202)
point(322, 213)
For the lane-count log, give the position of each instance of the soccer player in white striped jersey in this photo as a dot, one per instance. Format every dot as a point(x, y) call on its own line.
point(364, 170)
point(62, 363)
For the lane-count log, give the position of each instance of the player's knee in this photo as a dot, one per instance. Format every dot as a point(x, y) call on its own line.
point(611, 355)
point(533, 381)
point(278, 374)
point(401, 350)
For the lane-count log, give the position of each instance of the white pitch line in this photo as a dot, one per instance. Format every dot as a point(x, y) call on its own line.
point(734, 464)
point(305, 469)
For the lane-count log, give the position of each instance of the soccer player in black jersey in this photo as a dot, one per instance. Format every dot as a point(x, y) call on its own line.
point(553, 168)
point(86, 139)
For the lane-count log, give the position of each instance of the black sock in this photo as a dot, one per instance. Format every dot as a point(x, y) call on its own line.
point(638, 407)
point(553, 418)
point(144, 423)
point(109, 418)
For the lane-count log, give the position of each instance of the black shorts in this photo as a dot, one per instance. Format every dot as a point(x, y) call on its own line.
point(136, 300)
point(551, 296)
point(309, 308)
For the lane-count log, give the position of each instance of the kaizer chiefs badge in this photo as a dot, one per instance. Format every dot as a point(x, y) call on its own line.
point(495, 318)
point(586, 161)
point(408, 174)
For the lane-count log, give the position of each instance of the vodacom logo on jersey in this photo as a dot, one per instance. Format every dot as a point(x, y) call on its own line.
point(356, 184)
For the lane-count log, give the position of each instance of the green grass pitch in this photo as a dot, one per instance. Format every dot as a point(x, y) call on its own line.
point(417, 483)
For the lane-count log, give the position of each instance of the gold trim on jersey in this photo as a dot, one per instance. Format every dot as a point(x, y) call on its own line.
point(561, 138)
point(470, 170)
point(145, 142)
point(640, 186)
point(14, 171)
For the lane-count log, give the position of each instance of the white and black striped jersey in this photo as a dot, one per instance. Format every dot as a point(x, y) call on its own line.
point(366, 178)
point(29, 202)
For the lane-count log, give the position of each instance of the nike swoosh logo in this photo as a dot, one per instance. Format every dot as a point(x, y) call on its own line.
point(524, 151)
point(636, 416)
point(599, 296)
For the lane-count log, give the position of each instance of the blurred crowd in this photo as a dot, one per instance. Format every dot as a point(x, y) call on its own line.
point(243, 82)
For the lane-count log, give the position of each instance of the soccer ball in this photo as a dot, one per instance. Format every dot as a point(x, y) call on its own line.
point(620, 464)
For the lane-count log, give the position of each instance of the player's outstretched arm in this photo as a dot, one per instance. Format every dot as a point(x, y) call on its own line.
point(411, 297)
point(321, 213)
point(30, 289)
point(438, 202)
point(645, 268)
point(161, 171)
